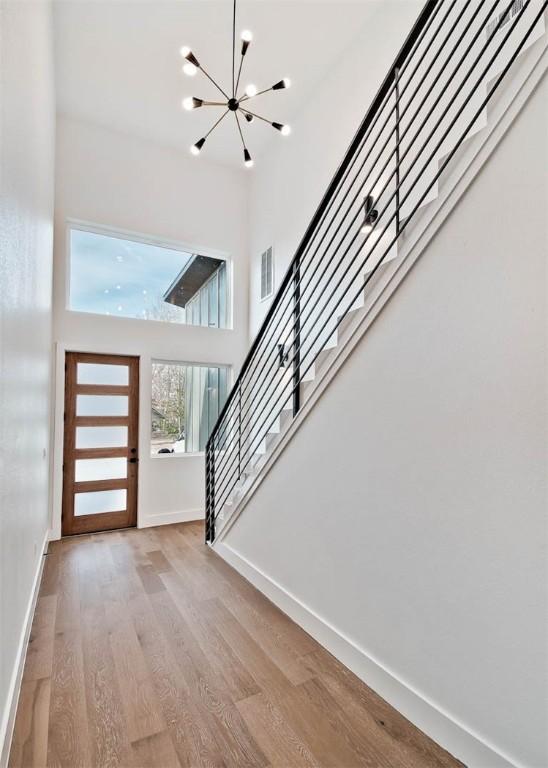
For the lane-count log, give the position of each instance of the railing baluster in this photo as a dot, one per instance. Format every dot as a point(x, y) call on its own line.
point(240, 432)
point(208, 494)
point(212, 495)
point(296, 337)
point(397, 93)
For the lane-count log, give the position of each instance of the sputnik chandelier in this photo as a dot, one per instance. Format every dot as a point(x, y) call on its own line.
point(237, 104)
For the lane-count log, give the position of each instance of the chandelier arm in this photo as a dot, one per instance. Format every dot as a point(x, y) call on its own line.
point(214, 104)
point(216, 124)
point(249, 112)
point(239, 129)
point(234, 49)
point(239, 73)
point(259, 93)
point(213, 81)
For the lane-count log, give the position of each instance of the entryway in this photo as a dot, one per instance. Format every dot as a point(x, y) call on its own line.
point(100, 442)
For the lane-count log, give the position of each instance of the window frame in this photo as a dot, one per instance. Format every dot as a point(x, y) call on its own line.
point(160, 242)
point(229, 384)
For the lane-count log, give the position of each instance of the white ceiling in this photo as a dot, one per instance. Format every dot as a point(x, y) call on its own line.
point(118, 63)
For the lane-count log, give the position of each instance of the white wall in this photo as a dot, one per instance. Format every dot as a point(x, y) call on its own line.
point(26, 232)
point(290, 179)
point(416, 523)
point(133, 185)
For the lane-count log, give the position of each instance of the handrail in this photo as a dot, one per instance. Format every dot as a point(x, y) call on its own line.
point(326, 276)
point(384, 89)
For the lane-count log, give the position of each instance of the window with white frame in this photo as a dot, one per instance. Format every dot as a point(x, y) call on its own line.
point(267, 274)
point(112, 274)
point(186, 402)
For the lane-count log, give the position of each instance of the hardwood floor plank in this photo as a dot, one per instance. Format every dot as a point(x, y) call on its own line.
point(159, 561)
point(208, 689)
point(263, 670)
point(151, 581)
point(142, 710)
point(313, 725)
point(107, 728)
point(30, 736)
point(68, 596)
point(147, 650)
point(50, 573)
point(374, 713)
point(40, 649)
point(270, 640)
point(200, 582)
point(371, 747)
point(68, 741)
point(276, 738)
point(238, 680)
point(105, 569)
point(249, 596)
point(156, 751)
point(191, 738)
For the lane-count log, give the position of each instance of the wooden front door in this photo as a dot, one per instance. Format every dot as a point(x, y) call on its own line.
point(101, 442)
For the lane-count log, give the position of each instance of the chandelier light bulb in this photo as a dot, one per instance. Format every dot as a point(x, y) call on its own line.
point(246, 38)
point(285, 83)
point(191, 102)
point(187, 54)
point(285, 130)
point(366, 229)
point(248, 160)
point(251, 90)
point(190, 69)
point(195, 149)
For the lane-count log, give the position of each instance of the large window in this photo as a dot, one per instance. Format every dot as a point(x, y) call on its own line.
point(186, 401)
point(111, 275)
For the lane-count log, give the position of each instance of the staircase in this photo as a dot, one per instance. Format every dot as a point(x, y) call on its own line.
point(459, 71)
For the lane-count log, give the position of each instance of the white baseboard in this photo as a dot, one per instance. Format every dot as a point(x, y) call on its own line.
point(8, 716)
point(452, 735)
point(167, 518)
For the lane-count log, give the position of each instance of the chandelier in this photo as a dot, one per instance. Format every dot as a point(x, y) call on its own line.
point(237, 103)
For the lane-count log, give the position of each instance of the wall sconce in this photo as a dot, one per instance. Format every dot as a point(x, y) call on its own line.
point(282, 355)
point(371, 215)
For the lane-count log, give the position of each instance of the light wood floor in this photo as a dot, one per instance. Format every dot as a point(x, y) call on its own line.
point(148, 650)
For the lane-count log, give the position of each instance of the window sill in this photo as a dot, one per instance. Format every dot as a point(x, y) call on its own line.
point(164, 456)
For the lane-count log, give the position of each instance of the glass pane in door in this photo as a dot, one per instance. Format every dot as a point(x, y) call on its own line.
point(97, 502)
point(101, 405)
point(100, 469)
point(99, 373)
point(101, 437)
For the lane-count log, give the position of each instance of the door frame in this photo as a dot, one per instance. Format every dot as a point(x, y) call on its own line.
point(71, 525)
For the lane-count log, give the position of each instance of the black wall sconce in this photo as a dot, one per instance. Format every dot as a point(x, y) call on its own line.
point(282, 355)
point(371, 215)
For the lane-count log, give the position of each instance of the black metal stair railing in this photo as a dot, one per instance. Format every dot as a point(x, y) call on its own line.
point(432, 99)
